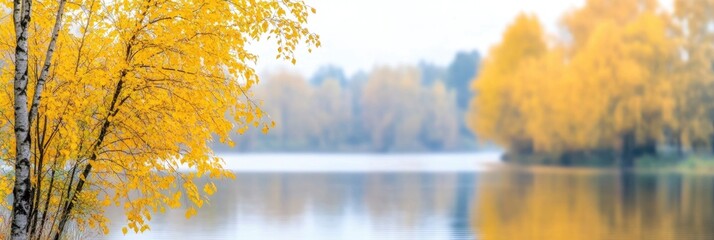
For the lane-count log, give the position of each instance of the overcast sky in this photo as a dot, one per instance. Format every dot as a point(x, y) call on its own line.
point(360, 34)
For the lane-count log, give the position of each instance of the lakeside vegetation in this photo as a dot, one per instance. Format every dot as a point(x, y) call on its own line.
point(690, 163)
point(624, 82)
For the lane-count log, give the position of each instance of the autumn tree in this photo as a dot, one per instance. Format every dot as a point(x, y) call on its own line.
point(24, 115)
point(582, 22)
point(694, 112)
point(494, 113)
point(629, 68)
point(607, 88)
point(135, 91)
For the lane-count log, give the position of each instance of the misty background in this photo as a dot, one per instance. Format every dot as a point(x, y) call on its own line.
point(388, 109)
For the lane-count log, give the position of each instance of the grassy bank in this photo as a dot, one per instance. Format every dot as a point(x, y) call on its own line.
point(591, 159)
point(689, 163)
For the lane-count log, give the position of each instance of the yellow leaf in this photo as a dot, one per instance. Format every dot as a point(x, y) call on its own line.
point(190, 212)
point(265, 129)
point(209, 188)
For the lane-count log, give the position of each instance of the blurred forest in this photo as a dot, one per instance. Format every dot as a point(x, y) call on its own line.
point(622, 80)
point(389, 109)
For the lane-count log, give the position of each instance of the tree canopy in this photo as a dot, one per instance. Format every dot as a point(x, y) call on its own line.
point(625, 77)
point(127, 80)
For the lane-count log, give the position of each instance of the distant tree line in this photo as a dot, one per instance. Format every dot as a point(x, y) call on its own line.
point(390, 109)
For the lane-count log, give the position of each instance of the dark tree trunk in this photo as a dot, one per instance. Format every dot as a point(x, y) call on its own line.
point(649, 147)
point(678, 144)
point(67, 209)
point(627, 152)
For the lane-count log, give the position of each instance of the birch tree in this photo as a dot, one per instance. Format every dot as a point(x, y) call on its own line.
point(123, 96)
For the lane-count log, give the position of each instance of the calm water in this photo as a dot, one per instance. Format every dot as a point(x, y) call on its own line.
point(485, 202)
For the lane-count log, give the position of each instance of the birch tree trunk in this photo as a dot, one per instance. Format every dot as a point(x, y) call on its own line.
point(34, 108)
point(21, 190)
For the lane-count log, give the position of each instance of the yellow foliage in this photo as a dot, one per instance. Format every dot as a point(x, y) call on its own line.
point(614, 79)
point(137, 91)
point(493, 114)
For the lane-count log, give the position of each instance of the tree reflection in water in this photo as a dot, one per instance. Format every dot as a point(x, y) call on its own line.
point(585, 204)
point(326, 206)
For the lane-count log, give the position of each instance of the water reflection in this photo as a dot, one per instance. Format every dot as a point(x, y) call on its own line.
point(326, 206)
point(561, 204)
point(498, 204)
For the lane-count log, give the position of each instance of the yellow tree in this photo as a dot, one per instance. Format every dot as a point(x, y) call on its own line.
point(581, 23)
point(694, 111)
point(609, 89)
point(23, 114)
point(135, 92)
point(622, 63)
point(627, 72)
point(544, 98)
point(494, 113)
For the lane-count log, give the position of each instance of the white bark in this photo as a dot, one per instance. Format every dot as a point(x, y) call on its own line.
point(48, 62)
point(21, 190)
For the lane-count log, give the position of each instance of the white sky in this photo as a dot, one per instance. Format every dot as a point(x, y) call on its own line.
point(361, 34)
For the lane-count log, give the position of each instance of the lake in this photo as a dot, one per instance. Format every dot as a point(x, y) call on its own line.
point(454, 196)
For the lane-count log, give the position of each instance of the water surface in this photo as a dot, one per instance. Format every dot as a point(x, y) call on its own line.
point(486, 201)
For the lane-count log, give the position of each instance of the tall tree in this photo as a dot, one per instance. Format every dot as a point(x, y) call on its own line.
point(117, 99)
point(610, 88)
point(695, 81)
point(21, 191)
point(493, 113)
